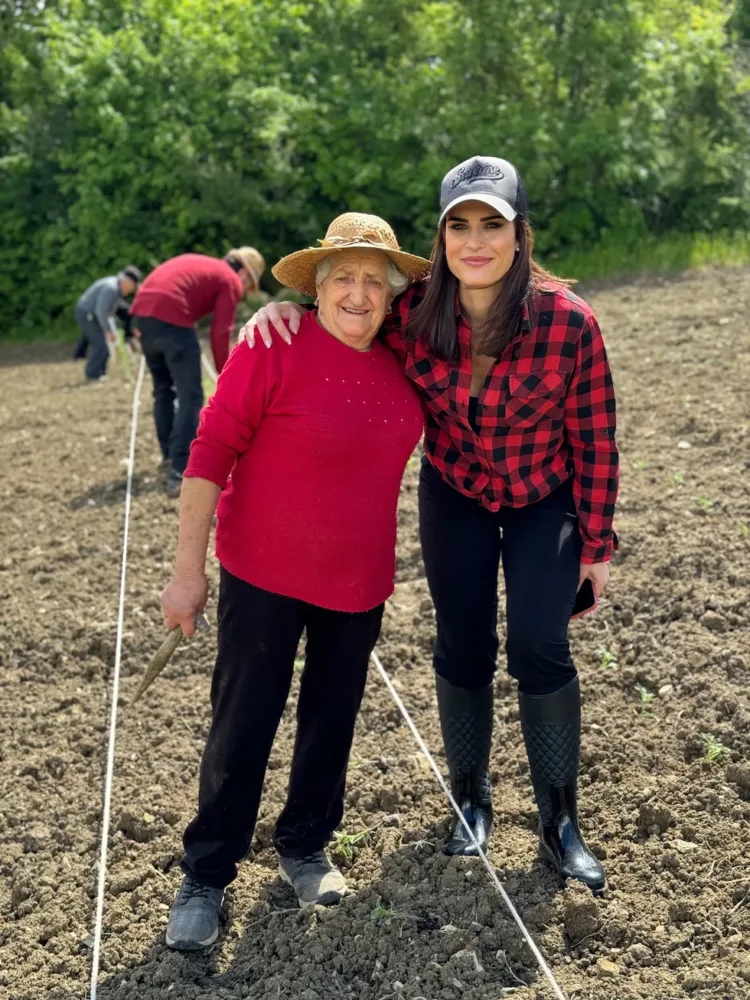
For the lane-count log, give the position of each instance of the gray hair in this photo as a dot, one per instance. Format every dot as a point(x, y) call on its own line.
point(397, 281)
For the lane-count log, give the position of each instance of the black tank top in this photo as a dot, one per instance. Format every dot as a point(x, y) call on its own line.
point(473, 404)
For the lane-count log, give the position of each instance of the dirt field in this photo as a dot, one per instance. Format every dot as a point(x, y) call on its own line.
point(665, 661)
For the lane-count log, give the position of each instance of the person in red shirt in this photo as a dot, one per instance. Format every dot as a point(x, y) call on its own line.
point(169, 303)
point(520, 465)
point(315, 442)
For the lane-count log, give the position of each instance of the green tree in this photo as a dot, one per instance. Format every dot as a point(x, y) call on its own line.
point(131, 131)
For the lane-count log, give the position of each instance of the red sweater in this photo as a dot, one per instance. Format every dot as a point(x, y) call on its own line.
point(316, 440)
point(187, 288)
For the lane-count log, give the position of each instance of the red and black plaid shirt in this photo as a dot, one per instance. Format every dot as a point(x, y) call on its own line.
point(546, 413)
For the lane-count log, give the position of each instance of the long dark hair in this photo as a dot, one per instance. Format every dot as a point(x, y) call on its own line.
point(433, 321)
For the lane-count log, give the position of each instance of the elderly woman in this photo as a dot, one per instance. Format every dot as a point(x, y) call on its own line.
point(316, 441)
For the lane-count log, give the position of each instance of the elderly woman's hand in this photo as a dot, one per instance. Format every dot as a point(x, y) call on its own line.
point(184, 597)
point(274, 314)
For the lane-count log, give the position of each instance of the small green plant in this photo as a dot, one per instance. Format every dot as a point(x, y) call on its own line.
point(640, 464)
point(715, 751)
point(744, 529)
point(606, 657)
point(383, 912)
point(299, 664)
point(124, 358)
point(705, 503)
point(344, 843)
point(647, 697)
point(678, 479)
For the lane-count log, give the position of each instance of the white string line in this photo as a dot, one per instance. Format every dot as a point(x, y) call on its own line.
point(209, 368)
point(115, 690)
point(492, 873)
point(430, 760)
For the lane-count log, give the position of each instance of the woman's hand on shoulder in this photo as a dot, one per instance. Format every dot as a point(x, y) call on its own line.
point(184, 597)
point(284, 317)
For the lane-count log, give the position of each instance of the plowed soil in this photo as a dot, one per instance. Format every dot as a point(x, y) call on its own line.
point(665, 668)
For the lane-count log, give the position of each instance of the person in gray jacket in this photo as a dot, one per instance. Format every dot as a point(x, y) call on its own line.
point(94, 314)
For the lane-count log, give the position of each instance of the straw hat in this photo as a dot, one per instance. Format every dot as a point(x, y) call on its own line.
point(251, 260)
point(347, 232)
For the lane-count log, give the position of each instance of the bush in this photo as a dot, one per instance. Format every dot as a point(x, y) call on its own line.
point(133, 130)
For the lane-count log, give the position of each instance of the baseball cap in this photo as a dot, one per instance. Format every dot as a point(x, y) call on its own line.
point(132, 272)
point(485, 178)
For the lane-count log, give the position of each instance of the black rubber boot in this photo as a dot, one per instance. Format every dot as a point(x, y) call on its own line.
point(466, 720)
point(551, 726)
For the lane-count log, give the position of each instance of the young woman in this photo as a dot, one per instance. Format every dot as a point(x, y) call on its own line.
point(521, 465)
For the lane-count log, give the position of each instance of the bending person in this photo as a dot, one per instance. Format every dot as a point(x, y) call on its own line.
point(316, 441)
point(95, 312)
point(521, 464)
point(170, 302)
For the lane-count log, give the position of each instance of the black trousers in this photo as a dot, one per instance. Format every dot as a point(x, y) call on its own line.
point(462, 543)
point(92, 343)
point(173, 356)
point(258, 636)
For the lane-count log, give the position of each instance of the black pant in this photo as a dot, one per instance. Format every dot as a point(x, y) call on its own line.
point(122, 313)
point(173, 356)
point(541, 549)
point(258, 636)
point(94, 343)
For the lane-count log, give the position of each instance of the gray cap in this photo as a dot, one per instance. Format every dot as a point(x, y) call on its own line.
point(485, 178)
point(132, 272)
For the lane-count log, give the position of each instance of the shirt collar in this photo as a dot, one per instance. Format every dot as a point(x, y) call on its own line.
point(525, 318)
point(460, 318)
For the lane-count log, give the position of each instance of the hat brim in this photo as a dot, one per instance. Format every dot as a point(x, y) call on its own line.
point(297, 270)
point(499, 204)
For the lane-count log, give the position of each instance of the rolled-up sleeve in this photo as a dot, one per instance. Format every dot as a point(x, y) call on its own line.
point(245, 390)
point(590, 430)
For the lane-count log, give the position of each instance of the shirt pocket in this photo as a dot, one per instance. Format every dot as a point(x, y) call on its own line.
point(533, 396)
point(433, 380)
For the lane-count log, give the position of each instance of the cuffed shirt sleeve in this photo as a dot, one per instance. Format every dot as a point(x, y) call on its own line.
point(590, 431)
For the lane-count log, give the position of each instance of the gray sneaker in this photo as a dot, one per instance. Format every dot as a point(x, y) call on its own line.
point(314, 879)
point(194, 920)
